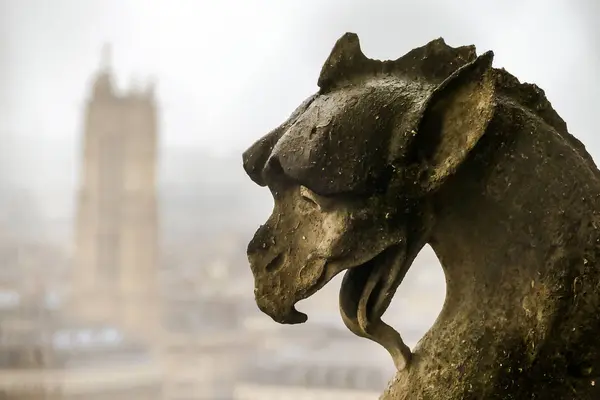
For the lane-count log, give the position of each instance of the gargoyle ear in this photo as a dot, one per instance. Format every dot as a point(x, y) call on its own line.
point(455, 117)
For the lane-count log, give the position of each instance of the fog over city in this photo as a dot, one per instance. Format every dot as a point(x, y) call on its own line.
point(226, 73)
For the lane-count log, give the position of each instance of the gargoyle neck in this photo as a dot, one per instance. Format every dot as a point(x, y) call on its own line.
point(524, 201)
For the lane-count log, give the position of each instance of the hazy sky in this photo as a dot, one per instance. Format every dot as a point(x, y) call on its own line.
point(229, 71)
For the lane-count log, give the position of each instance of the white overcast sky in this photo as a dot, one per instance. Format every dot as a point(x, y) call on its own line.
point(229, 71)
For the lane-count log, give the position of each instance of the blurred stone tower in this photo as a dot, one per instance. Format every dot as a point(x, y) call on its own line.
point(116, 244)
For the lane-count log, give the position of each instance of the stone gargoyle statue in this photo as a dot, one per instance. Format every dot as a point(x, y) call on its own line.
point(439, 148)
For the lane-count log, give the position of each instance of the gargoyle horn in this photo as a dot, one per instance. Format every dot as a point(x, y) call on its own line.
point(345, 62)
point(433, 62)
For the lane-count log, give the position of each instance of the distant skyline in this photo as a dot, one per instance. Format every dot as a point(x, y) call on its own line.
point(227, 72)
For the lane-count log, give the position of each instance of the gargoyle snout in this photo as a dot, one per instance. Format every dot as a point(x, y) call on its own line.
point(263, 264)
point(261, 242)
point(271, 288)
point(263, 254)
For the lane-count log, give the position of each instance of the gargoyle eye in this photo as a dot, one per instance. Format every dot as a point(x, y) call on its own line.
point(309, 196)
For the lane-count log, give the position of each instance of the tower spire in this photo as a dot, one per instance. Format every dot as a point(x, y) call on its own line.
point(106, 57)
point(103, 81)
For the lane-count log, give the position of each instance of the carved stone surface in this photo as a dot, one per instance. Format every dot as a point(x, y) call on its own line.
point(439, 147)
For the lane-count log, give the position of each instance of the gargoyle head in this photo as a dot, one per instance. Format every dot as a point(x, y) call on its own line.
point(351, 172)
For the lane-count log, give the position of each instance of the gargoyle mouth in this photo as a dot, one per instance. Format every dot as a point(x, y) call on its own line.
point(283, 309)
point(367, 291)
point(367, 288)
point(293, 316)
point(281, 306)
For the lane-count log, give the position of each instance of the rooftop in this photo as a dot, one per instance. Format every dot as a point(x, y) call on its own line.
point(317, 376)
point(201, 315)
point(324, 362)
point(66, 344)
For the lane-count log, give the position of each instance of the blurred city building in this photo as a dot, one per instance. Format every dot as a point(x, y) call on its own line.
point(318, 364)
point(116, 253)
point(46, 355)
point(24, 355)
point(206, 298)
